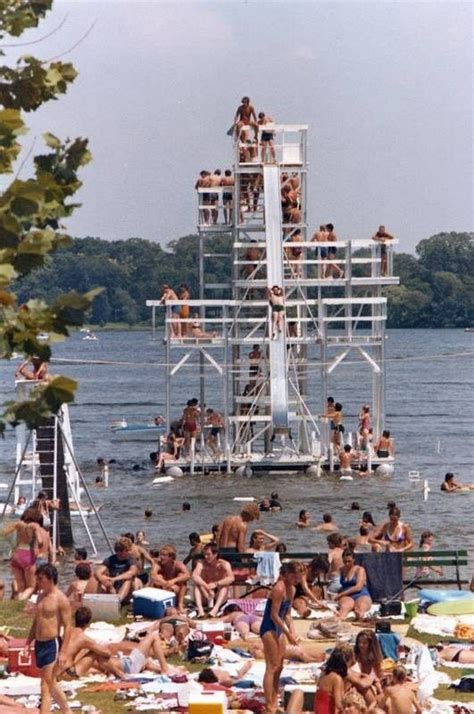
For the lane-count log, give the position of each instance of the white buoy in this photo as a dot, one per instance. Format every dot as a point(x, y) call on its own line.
point(384, 470)
point(244, 471)
point(243, 498)
point(313, 471)
point(174, 471)
point(426, 489)
point(346, 477)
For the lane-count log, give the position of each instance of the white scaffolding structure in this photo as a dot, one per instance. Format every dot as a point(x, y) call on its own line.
point(270, 418)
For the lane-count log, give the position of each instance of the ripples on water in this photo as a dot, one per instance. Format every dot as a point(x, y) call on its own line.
point(429, 400)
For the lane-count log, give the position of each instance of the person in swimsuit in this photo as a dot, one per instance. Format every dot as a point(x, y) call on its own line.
point(212, 577)
point(276, 298)
point(204, 181)
point(276, 626)
point(183, 294)
point(455, 653)
point(32, 369)
point(169, 294)
point(310, 590)
point(245, 116)
point(191, 417)
point(170, 574)
point(29, 537)
point(228, 196)
point(266, 139)
point(304, 519)
point(176, 625)
point(245, 624)
point(52, 613)
point(382, 237)
point(394, 535)
point(330, 689)
point(384, 446)
point(364, 426)
point(170, 452)
point(216, 422)
point(353, 594)
point(426, 543)
point(365, 672)
point(450, 485)
point(332, 252)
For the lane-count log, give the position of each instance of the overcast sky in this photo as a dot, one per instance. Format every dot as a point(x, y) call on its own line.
point(385, 87)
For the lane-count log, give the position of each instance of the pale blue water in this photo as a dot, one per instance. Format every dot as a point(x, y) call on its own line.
point(429, 398)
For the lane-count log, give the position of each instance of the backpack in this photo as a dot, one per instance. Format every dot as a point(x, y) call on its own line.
point(199, 646)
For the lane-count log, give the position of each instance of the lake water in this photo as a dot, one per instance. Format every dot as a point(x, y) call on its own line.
point(429, 412)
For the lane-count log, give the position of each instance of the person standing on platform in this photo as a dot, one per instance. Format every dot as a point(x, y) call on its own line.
point(228, 196)
point(245, 116)
point(382, 237)
point(276, 298)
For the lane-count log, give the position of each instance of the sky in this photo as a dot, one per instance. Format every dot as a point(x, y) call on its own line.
point(385, 88)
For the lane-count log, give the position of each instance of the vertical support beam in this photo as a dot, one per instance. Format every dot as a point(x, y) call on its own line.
point(168, 375)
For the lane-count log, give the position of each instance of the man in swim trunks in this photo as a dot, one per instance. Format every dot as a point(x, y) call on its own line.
point(169, 294)
point(170, 574)
point(204, 181)
point(267, 138)
point(382, 237)
point(332, 251)
point(245, 116)
point(216, 422)
point(228, 196)
point(215, 179)
point(212, 577)
point(84, 653)
point(53, 613)
point(233, 531)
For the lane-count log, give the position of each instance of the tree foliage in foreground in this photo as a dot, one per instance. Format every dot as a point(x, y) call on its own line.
point(436, 286)
point(32, 210)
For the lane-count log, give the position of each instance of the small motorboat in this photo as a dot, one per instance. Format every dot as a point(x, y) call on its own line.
point(139, 431)
point(90, 336)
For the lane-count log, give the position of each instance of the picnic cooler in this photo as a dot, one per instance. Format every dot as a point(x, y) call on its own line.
point(212, 630)
point(207, 703)
point(103, 607)
point(152, 602)
point(18, 662)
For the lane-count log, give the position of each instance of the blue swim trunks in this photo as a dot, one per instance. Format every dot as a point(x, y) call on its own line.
point(46, 652)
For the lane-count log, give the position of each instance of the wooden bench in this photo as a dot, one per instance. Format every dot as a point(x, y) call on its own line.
point(456, 559)
point(438, 559)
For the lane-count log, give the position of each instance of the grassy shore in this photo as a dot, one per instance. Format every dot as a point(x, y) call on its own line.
point(17, 622)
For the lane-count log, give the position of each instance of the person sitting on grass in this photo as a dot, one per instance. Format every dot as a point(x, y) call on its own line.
point(119, 572)
point(212, 577)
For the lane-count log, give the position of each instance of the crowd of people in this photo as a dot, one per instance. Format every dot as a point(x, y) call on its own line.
point(203, 583)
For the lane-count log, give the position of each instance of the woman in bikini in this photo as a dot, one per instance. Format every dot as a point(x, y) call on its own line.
point(245, 623)
point(184, 294)
point(29, 537)
point(393, 535)
point(353, 594)
point(191, 417)
point(364, 426)
point(277, 627)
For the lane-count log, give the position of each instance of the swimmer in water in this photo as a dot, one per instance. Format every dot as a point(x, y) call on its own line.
point(450, 485)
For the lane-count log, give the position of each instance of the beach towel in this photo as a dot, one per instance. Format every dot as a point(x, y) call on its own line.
point(268, 567)
point(384, 574)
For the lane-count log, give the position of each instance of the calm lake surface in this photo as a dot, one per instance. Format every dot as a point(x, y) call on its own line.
point(430, 412)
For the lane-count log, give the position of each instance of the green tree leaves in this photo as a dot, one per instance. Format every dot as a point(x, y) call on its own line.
point(32, 211)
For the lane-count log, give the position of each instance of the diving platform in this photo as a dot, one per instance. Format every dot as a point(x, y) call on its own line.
point(334, 307)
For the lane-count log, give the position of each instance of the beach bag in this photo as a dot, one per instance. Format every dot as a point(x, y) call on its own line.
point(465, 685)
point(199, 646)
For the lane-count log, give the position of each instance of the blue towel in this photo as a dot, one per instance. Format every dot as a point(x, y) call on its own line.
point(389, 642)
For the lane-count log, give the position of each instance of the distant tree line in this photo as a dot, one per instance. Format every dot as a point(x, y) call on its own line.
point(436, 286)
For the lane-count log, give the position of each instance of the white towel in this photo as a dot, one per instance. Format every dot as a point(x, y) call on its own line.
point(268, 567)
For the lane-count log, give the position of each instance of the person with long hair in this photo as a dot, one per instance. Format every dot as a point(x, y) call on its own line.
point(330, 689)
point(368, 662)
point(277, 627)
point(29, 538)
point(311, 589)
point(353, 593)
point(426, 543)
point(393, 534)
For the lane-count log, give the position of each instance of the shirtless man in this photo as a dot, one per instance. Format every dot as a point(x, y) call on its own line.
point(216, 422)
point(346, 457)
point(233, 532)
point(204, 181)
point(227, 197)
point(245, 116)
point(83, 583)
point(170, 574)
point(169, 294)
point(215, 179)
point(53, 613)
point(321, 236)
point(33, 368)
point(334, 541)
point(267, 138)
point(382, 237)
point(212, 577)
point(401, 697)
point(327, 525)
point(84, 653)
point(332, 251)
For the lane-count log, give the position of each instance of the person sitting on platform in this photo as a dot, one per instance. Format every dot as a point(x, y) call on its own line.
point(197, 332)
point(119, 572)
point(212, 577)
point(382, 237)
point(32, 368)
point(245, 116)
